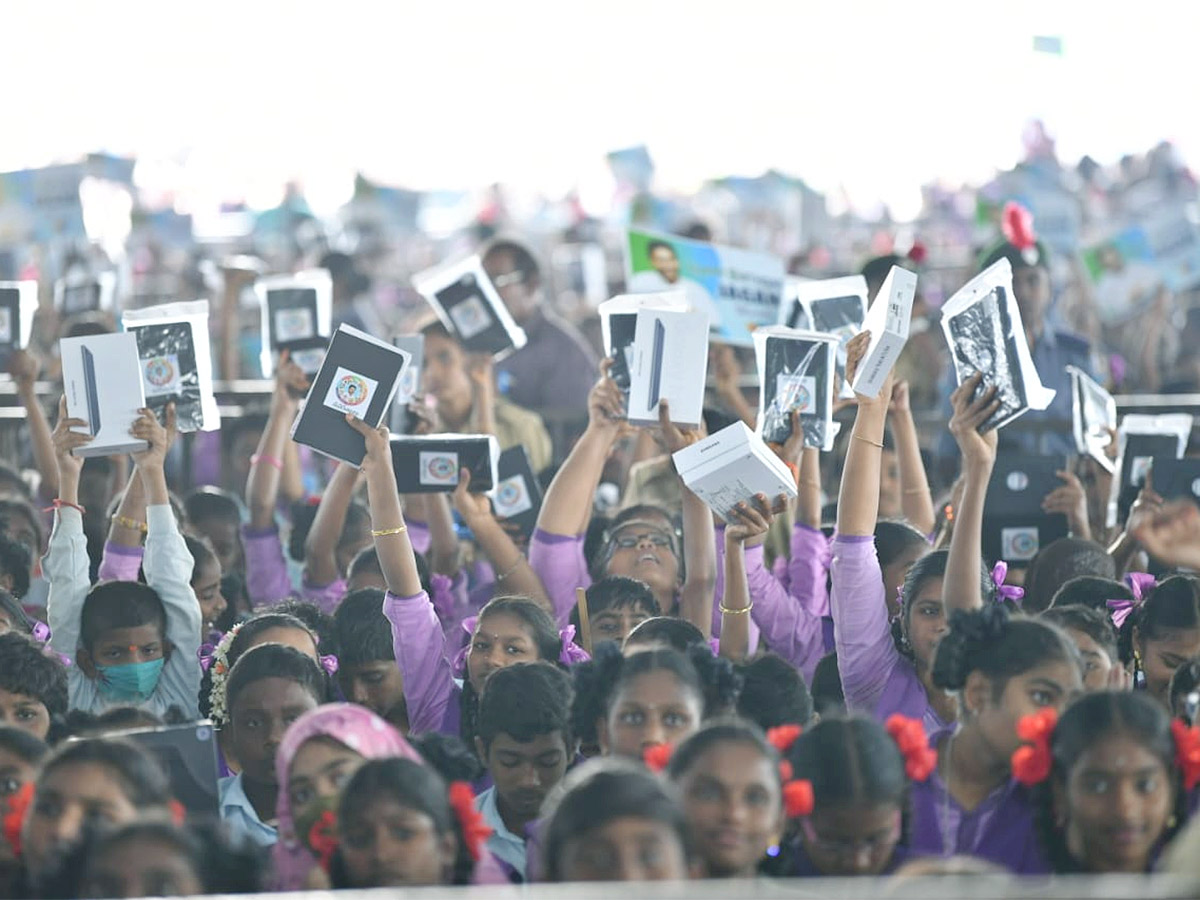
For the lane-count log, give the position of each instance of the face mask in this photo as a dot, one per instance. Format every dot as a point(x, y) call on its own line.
point(133, 682)
point(322, 814)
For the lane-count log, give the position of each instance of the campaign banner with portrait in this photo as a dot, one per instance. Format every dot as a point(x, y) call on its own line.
point(739, 289)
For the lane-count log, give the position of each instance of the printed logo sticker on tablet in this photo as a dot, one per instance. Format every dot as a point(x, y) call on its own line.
point(350, 392)
point(294, 325)
point(512, 498)
point(161, 375)
point(1018, 544)
point(470, 317)
point(438, 468)
point(6, 332)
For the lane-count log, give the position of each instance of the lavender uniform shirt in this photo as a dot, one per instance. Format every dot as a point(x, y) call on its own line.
point(267, 580)
point(876, 679)
point(559, 561)
point(432, 695)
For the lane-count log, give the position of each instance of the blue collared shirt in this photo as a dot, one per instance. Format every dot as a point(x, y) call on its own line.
point(239, 816)
point(504, 845)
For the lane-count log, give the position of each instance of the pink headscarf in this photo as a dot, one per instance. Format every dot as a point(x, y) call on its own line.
point(357, 728)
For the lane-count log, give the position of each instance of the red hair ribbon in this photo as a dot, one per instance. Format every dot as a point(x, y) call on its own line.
point(178, 811)
point(657, 756)
point(14, 815)
point(1031, 764)
point(474, 831)
point(1017, 224)
point(909, 734)
point(783, 736)
point(1187, 752)
point(918, 252)
point(798, 798)
point(786, 772)
point(322, 837)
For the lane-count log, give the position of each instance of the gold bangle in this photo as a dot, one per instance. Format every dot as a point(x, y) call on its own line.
point(384, 532)
point(867, 440)
point(510, 569)
point(131, 524)
point(811, 482)
point(725, 610)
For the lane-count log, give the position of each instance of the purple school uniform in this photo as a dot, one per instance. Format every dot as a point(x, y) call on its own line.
point(790, 618)
point(430, 691)
point(802, 864)
point(876, 679)
point(267, 579)
point(559, 561)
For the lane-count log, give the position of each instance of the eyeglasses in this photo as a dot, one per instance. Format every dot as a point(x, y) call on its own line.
point(503, 281)
point(850, 849)
point(629, 541)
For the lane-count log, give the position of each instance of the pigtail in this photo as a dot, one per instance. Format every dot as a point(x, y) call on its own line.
point(720, 678)
point(968, 630)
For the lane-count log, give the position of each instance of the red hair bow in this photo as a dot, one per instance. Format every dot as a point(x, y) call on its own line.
point(1187, 752)
point(474, 831)
point(918, 252)
point(784, 736)
point(1017, 224)
point(919, 758)
point(1031, 763)
point(657, 756)
point(14, 815)
point(798, 798)
point(322, 838)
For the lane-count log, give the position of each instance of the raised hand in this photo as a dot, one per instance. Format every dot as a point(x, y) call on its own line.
point(969, 413)
point(290, 381)
point(606, 404)
point(676, 437)
point(378, 444)
point(900, 402)
point(1172, 534)
point(158, 437)
point(472, 507)
point(751, 519)
point(856, 350)
point(67, 441)
point(24, 367)
point(1070, 499)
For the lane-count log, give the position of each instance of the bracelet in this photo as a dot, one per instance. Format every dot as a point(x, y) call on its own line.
point(513, 568)
point(725, 610)
point(131, 524)
point(867, 440)
point(916, 490)
point(384, 532)
point(269, 460)
point(56, 503)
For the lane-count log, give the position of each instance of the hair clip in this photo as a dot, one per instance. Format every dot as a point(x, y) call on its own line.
point(206, 654)
point(322, 838)
point(571, 652)
point(1032, 762)
point(40, 632)
point(475, 831)
point(909, 734)
point(1009, 592)
point(14, 816)
point(329, 662)
point(798, 799)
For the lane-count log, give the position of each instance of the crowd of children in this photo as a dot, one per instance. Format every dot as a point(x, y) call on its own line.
point(405, 692)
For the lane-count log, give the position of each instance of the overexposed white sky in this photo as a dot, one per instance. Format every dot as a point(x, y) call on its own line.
point(234, 97)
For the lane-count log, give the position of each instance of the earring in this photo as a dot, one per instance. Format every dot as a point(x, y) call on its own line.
point(1171, 822)
point(1139, 674)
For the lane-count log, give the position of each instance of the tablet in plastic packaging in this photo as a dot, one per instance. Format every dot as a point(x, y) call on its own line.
point(176, 362)
point(796, 372)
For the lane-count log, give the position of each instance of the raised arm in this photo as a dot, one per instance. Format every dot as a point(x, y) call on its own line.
point(66, 563)
point(24, 368)
point(268, 462)
point(567, 506)
point(751, 520)
point(915, 500)
point(514, 575)
point(960, 589)
point(234, 280)
point(858, 500)
point(320, 550)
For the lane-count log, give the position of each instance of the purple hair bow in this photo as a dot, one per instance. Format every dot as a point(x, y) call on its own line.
point(41, 633)
point(205, 654)
point(1010, 592)
point(714, 644)
point(1119, 610)
point(571, 653)
point(459, 665)
point(1140, 583)
point(329, 663)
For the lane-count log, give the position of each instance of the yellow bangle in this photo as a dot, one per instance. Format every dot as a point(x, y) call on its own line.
point(867, 440)
point(132, 524)
point(384, 532)
point(725, 610)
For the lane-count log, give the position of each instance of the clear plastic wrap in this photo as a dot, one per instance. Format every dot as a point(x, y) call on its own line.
point(796, 372)
point(18, 305)
point(983, 328)
point(176, 362)
point(618, 325)
point(834, 306)
point(1093, 413)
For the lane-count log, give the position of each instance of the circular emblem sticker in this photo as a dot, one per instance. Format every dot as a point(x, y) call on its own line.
point(1024, 545)
point(1017, 481)
point(159, 371)
point(508, 494)
point(351, 390)
point(441, 468)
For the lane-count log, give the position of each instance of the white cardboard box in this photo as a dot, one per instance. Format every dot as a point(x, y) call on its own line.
point(102, 381)
point(887, 320)
point(730, 467)
point(670, 362)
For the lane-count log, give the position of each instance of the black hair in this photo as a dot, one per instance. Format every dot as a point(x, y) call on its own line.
point(211, 502)
point(714, 681)
point(925, 569)
point(1091, 591)
point(120, 604)
point(651, 246)
point(1057, 563)
point(274, 661)
point(773, 693)
point(875, 270)
point(80, 723)
point(304, 514)
point(730, 731)
point(138, 772)
point(15, 562)
point(18, 506)
point(218, 864)
point(600, 792)
point(618, 592)
point(245, 639)
point(25, 669)
point(850, 761)
point(827, 695)
point(367, 560)
point(1184, 683)
point(11, 606)
point(412, 785)
point(11, 476)
point(669, 631)
point(363, 633)
point(1089, 720)
point(1001, 646)
point(523, 259)
point(1015, 256)
point(315, 620)
point(1174, 603)
point(1084, 619)
point(202, 552)
point(545, 638)
point(526, 701)
point(893, 539)
point(23, 745)
point(447, 755)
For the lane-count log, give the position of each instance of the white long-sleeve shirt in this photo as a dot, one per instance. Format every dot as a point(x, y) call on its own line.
point(168, 567)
